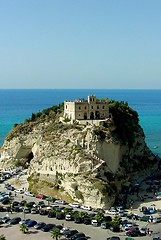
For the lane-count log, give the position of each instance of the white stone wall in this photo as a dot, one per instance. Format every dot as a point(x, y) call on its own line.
point(69, 110)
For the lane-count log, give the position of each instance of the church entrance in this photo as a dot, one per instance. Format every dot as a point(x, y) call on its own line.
point(85, 115)
point(91, 115)
point(97, 114)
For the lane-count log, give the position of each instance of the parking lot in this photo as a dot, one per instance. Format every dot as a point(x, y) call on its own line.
point(94, 233)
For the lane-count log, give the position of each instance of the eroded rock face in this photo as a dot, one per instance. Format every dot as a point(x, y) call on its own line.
point(87, 163)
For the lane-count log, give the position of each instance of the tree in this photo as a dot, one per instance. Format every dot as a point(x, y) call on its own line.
point(55, 233)
point(116, 221)
point(24, 228)
point(2, 237)
point(99, 217)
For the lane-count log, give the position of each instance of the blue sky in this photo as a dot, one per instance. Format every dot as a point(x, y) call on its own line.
point(112, 44)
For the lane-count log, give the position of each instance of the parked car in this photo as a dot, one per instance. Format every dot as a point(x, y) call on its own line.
point(77, 235)
point(59, 201)
point(39, 225)
point(88, 208)
point(26, 210)
point(31, 223)
point(34, 211)
point(87, 221)
point(5, 219)
point(145, 218)
point(47, 227)
point(5, 201)
point(21, 191)
point(51, 214)
point(10, 188)
point(15, 203)
point(143, 231)
point(64, 229)
point(78, 220)
point(43, 212)
point(156, 237)
point(99, 210)
point(41, 204)
point(41, 196)
point(2, 209)
point(133, 233)
point(24, 221)
point(14, 220)
point(157, 219)
point(112, 211)
point(60, 215)
point(94, 223)
point(71, 232)
point(27, 193)
point(68, 217)
point(75, 205)
point(30, 204)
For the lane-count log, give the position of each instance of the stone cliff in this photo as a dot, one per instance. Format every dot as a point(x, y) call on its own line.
point(79, 162)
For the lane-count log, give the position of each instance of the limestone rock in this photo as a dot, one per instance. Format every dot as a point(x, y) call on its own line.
point(85, 163)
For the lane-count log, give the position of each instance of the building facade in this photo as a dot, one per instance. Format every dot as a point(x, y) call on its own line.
point(90, 109)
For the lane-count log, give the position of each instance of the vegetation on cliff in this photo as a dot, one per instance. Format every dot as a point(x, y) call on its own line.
point(46, 115)
point(126, 121)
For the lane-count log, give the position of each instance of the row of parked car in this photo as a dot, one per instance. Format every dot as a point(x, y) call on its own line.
point(41, 196)
point(72, 234)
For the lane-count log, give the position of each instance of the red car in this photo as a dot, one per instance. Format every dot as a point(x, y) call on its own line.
point(41, 196)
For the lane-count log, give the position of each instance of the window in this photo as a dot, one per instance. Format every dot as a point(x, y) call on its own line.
point(85, 107)
point(97, 107)
point(79, 108)
point(92, 107)
point(66, 106)
point(103, 107)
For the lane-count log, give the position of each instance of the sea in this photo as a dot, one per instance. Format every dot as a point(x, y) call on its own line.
point(17, 105)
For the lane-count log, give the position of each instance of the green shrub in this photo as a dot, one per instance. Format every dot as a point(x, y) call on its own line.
point(100, 186)
point(79, 194)
point(66, 120)
point(67, 141)
point(74, 186)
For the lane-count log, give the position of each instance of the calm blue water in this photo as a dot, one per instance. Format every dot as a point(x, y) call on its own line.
point(17, 105)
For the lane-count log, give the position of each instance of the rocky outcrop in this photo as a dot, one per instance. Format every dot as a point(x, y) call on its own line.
point(84, 163)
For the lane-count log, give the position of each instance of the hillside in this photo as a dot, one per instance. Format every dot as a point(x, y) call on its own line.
point(77, 162)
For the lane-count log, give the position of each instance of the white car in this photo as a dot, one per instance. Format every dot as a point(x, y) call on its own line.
point(68, 217)
point(75, 205)
point(88, 208)
point(59, 201)
point(19, 191)
point(29, 194)
point(112, 211)
point(158, 197)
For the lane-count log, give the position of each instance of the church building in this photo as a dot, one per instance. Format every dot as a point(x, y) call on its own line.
point(91, 109)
